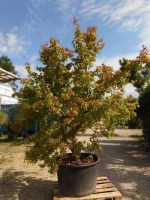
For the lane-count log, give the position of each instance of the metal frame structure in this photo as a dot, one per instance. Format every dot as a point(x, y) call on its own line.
point(6, 87)
point(6, 76)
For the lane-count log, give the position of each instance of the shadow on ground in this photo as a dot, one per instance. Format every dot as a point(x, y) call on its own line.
point(18, 186)
point(127, 165)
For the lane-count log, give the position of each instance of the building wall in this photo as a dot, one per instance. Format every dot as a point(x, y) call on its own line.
point(6, 92)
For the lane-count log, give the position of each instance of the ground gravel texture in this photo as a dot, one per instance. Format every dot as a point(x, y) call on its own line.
point(125, 161)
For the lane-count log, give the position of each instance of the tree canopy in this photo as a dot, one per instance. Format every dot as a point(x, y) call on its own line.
point(6, 64)
point(140, 75)
point(67, 95)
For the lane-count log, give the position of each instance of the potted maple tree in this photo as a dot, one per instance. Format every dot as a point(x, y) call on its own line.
point(67, 95)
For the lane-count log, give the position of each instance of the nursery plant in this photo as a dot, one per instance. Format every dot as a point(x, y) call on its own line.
point(68, 94)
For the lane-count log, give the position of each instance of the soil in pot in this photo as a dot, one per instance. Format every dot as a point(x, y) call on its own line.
point(77, 177)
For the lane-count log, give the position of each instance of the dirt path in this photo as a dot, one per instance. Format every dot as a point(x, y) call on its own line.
point(124, 161)
point(20, 180)
point(127, 164)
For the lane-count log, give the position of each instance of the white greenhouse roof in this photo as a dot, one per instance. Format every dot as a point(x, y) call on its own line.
point(6, 76)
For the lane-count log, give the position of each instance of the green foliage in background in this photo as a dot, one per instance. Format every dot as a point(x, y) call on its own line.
point(6, 64)
point(140, 78)
point(3, 117)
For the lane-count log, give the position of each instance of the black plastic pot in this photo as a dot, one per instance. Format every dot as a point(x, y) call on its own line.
point(78, 180)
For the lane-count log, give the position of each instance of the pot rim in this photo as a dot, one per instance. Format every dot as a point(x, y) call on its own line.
point(82, 165)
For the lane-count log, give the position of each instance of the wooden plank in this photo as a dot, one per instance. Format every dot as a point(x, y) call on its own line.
point(92, 196)
point(105, 185)
point(112, 189)
point(103, 181)
point(102, 178)
point(104, 190)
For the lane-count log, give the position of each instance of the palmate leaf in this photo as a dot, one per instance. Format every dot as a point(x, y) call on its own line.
point(67, 95)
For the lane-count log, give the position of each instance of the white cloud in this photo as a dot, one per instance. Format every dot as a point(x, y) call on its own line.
point(130, 14)
point(33, 60)
point(40, 17)
point(42, 14)
point(64, 4)
point(130, 90)
point(132, 24)
point(12, 43)
point(21, 70)
point(68, 8)
point(145, 32)
point(114, 61)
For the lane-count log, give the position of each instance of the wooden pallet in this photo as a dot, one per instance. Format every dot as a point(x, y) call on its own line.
point(105, 190)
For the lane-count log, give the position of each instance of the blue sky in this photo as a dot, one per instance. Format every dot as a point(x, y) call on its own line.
point(27, 24)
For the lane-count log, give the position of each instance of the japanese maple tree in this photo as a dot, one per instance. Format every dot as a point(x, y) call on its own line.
point(68, 94)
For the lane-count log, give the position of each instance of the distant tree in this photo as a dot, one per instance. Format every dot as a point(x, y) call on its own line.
point(6, 64)
point(140, 78)
point(144, 113)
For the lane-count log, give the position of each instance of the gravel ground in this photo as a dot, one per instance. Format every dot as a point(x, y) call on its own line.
point(124, 161)
point(127, 164)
